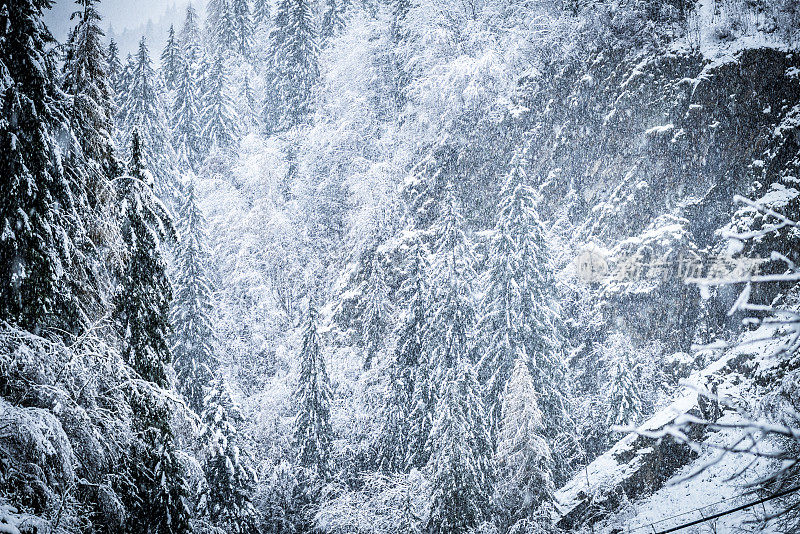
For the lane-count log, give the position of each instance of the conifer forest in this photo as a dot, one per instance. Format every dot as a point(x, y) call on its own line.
point(399, 266)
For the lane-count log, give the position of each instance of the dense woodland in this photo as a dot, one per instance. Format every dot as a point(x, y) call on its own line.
point(315, 266)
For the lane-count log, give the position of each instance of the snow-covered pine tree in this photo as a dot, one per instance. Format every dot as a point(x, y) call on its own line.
point(161, 481)
point(114, 69)
point(461, 467)
point(226, 502)
point(192, 311)
point(124, 81)
point(292, 68)
point(248, 105)
point(452, 275)
point(86, 80)
point(91, 162)
point(623, 400)
point(171, 60)
point(445, 331)
point(519, 319)
point(190, 36)
point(523, 456)
point(400, 433)
point(38, 216)
point(218, 123)
point(312, 428)
point(186, 118)
point(143, 111)
point(332, 20)
point(220, 27)
point(270, 110)
point(398, 33)
point(143, 297)
point(261, 14)
point(364, 311)
point(459, 445)
point(142, 316)
point(242, 26)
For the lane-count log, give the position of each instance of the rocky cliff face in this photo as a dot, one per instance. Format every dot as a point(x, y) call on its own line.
point(644, 152)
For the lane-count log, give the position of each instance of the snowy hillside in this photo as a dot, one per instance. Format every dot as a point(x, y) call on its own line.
point(400, 266)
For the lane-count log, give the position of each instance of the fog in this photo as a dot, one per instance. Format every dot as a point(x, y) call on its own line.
point(125, 20)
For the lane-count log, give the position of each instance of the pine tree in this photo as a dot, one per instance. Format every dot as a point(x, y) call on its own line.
point(520, 321)
point(220, 27)
point(365, 310)
point(192, 313)
point(459, 444)
point(401, 434)
point(398, 34)
point(143, 111)
point(523, 456)
point(312, 428)
point(461, 465)
point(186, 119)
point(227, 499)
point(190, 38)
point(218, 122)
point(161, 480)
point(171, 60)
point(248, 106)
point(332, 20)
point(144, 294)
point(292, 68)
point(38, 213)
point(142, 315)
point(115, 69)
point(86, 79)
point(242, 26)
point(261, 14)
point(377, 314)
point(90, 161)
point(623, 400)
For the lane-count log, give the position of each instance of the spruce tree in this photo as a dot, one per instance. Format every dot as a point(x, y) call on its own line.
point(332, 20)
point(242, 26)
point(219, 126)
point(186, 118)
point(226, 501)
point(38, 216)
point(292, 68)
point(312, 428)
point(163, 490)
point(365, 309)
point(143, 111)
point(220, 27)
point(459, 445)
point(523, 456)
point(519, 319)
point(192, 313)
point(115, 69)
point(377, 313)
point(398, 34)
point(623, 400)
point(142, 316)
point(248, 113)
point(261, 14)
point(401, 435)
point(461, 467)
point(86, 80)
point(143, 299)
point(90, 163)
point(171, 60)
point(190, 36)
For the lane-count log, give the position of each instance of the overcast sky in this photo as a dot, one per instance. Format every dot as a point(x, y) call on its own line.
point(119, 14)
